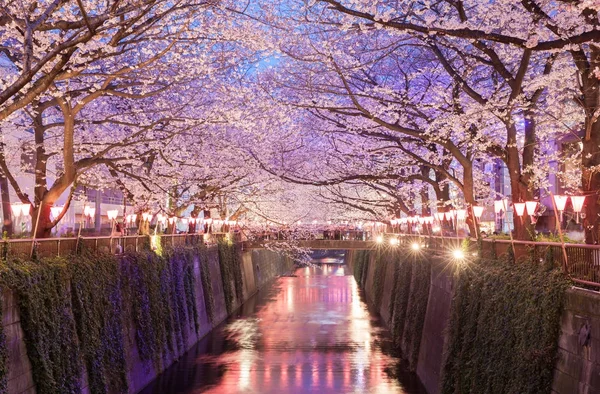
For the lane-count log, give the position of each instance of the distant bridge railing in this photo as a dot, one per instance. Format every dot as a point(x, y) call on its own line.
point(581, 262)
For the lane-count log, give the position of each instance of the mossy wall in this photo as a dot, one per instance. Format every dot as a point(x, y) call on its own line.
point(483, 327)
point(503, 329)
point(101, 324)
point(397, 285)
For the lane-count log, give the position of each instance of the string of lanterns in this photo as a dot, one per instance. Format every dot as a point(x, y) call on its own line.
point(520, 209)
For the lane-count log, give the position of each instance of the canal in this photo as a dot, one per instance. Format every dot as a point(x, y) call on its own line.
point(308, 333)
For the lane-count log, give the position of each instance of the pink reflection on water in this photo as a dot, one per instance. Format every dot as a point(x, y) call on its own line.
point(316, 335)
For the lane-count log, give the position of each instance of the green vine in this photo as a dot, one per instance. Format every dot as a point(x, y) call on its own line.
point(96, 296)
point(207, 289)
point(399, 302)
point(44, 301)
point(231, 273)
point(379, 278)
point(72, 313)
point(3, 357)
point(416, 308)
point(503, 329)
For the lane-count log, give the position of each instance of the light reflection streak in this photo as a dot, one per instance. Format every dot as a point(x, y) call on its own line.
point(315, 334)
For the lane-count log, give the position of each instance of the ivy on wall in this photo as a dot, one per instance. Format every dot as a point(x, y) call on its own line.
point(409, 297)
point(379, 277)
point(361, 259)
point(231, 273)
point(206, 283)
point(399, 302)
point(416, 308)
point(44, 300)
point(75, 312)
point(503, 329)
point(96, 298)
point(3, 357)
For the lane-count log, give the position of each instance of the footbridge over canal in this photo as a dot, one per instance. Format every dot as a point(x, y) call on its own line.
point(314, 244)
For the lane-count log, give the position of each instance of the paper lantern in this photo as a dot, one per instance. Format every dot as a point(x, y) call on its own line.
point(477, 211)
point(519, 208)
point(531, 207)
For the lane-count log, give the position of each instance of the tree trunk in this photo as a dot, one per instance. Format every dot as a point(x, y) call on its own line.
point(41, 222)
point(590, 155)
point(591, 184)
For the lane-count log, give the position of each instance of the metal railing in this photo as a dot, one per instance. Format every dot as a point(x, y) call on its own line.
point(581, 262)
point(50, 247)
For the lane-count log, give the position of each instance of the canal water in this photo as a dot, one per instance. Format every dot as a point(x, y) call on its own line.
point(310, 333)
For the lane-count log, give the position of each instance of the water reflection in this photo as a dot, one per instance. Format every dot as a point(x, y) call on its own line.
point(308, 333)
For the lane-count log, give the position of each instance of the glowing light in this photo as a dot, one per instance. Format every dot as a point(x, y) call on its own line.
point(500, 206)
point(436, 229)
point(577, 202)
point(394, 241)
point(560, 202)
point(56, 211)
point(461, 214)
point(448, 215)
point(439, 216)
point(25, 208)
point(531, 207)
point(415, 246)
point(112, 214)
point(379, 239)
point(519, 208)
point(478, 211)
point(458, 254)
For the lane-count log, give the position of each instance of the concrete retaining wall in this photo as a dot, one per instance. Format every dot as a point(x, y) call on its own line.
point(259, 267)
point(577, 369)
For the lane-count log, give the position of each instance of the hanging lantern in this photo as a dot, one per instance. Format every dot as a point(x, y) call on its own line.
point(499, 207)
point(519, 208)
point(55, 211)
point(577, 202)
point(477, 211)
point(112, 214)
point(531, 207)
point(561, 202)
point(16, 208)
point(25, 208)
point(461, 214)
point(439, 216)
point(448, 215)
